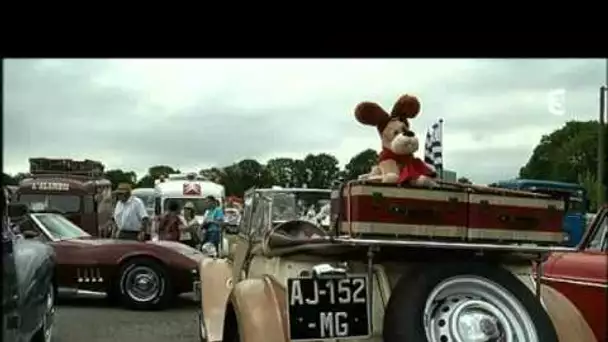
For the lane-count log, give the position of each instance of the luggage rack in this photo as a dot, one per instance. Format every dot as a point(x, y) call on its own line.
point(66, 167)
point(81, 176)
point(373, 246)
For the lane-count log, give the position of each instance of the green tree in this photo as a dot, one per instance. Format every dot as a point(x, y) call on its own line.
point(300, 175)
point(565, 154)
point(19, 176)
point(213, 174)
point(360, 164)
point(8, 179)
point(590, 183)
point(118, 176)
point(281, 170)
point(322, 170)
point(155, 172)
point(464, 180)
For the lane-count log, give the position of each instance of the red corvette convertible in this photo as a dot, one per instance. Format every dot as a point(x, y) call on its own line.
point(582, 276)
point(142, 275)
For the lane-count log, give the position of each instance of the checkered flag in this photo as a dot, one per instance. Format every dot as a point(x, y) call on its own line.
point(433, 148)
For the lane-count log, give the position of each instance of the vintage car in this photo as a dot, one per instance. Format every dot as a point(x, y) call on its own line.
point(141, 275)
point(384, 270)
point(28, 296)
point(582, 276)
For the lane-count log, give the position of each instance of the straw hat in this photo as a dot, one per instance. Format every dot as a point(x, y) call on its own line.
point(123, 187)
point(189, 205)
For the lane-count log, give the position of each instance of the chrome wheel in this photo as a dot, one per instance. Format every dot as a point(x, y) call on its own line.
point(47, 323)
point(143, 284)
point(475, 309)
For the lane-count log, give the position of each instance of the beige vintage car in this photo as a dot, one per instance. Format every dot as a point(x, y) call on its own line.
point(289, 278)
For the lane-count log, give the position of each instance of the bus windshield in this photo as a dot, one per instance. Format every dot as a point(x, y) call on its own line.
point(61, 203)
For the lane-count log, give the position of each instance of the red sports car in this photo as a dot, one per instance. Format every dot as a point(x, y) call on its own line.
point(142, 275)
point(582, 276)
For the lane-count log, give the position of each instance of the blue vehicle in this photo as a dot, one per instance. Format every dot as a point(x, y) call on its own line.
point(577, 202)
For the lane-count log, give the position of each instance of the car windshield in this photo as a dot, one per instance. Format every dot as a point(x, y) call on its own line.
point(299, 205)
point(60, 203)
point(200, 204)
point(59, 227)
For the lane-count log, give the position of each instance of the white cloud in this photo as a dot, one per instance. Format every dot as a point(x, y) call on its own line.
point(132, 113)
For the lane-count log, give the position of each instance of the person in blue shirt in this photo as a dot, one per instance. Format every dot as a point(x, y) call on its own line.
point(214, 217)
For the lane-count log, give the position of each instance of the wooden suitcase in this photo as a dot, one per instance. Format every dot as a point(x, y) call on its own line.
point(513, 217)
point(392, 211)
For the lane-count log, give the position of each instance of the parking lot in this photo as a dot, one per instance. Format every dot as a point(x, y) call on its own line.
point(94, 320)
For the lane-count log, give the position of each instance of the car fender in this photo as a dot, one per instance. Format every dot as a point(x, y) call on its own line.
point(259, 308)
point(567, 319)
point(140, 253)
point(216, 285)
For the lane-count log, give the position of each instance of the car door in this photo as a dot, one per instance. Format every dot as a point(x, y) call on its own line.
point(583, 276)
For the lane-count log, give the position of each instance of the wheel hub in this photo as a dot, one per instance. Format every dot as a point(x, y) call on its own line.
point(473, 310)
point(142, 284)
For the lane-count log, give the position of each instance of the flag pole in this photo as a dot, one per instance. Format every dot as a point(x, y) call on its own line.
point(440, 171)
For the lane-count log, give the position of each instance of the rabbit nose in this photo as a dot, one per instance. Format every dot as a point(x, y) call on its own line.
point(408, 134)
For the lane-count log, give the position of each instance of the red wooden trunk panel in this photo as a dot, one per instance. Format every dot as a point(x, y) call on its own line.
point(514, 218)
point(406, 211)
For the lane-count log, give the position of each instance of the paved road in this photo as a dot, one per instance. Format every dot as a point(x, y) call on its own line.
point(93, 320)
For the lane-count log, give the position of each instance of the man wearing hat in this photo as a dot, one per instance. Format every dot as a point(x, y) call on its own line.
point(130, 215)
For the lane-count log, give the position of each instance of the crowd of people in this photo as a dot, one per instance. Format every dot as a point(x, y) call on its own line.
point(131, 221)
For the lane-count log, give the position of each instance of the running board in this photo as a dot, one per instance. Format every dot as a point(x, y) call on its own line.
point(73, 292)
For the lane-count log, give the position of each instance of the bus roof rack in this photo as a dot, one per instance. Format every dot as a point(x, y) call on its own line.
point(66, 167)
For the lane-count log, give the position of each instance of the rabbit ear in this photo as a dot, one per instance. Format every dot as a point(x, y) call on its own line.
point(369, 113)
point(407, 107)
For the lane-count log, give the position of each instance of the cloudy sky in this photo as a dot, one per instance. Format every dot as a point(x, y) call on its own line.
point(191, 114)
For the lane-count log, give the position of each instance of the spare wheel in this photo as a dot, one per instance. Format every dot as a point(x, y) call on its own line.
point(465, 302)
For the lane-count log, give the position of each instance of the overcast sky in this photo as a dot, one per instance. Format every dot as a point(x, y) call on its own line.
point(192, 114)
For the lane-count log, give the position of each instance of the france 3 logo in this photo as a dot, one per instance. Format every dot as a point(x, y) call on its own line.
point(556, 102)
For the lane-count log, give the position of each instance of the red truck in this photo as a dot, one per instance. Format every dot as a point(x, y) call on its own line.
point(75, 189)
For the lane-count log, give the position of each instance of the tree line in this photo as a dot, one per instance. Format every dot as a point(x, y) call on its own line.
point(568, 154)
point(314, 171)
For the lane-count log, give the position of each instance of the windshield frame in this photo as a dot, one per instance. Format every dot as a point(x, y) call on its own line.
point(47, 233)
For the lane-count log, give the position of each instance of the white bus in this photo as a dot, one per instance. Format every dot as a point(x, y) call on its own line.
point(184, 188)
point(146, 195)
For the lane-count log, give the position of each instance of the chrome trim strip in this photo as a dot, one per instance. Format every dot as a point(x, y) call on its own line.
point(575, 282)
point(347, 240)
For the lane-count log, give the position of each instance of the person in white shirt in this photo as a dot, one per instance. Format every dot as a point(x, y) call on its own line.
point(130, 215)
point(190, 227)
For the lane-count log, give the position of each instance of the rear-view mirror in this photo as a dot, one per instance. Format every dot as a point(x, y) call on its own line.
point(17, 210)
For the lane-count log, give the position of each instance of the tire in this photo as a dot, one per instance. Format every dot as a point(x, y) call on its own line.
point(144, 284)
point(45, 333)
point(432, 302)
